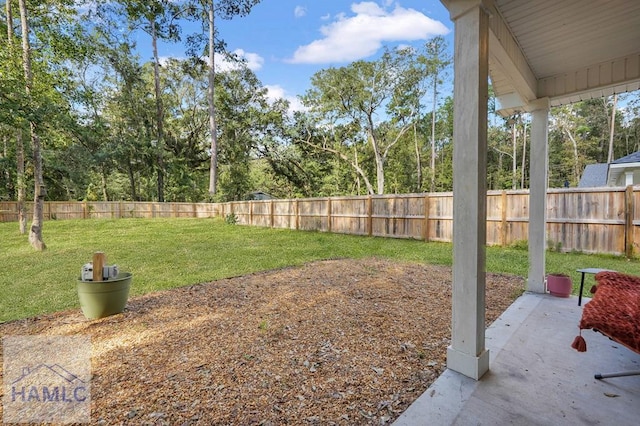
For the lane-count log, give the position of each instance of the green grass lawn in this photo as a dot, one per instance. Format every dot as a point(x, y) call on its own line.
point(167, 253)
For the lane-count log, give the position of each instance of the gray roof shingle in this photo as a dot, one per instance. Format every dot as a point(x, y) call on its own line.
point(594, 175)
point(631, 158)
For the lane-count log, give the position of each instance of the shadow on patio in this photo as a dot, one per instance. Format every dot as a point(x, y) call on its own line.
point(535, 377)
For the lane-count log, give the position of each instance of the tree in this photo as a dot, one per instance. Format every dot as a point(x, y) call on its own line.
point(444, 146)
point(612, 126)
point(156, 18)
point(35, 232)
point(206, 11)
point(356, 97)
point(247, 121)
point(20, 176)
point(187, 125)
point(213, 166)
point(130, 112)
point(567, 124)
point(437, 61)
point(336, 139)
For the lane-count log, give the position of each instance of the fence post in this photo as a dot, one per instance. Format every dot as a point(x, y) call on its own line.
point(251, 213)
point(425, 225)
point(504, 228)
point(628, 218)
point(271, 219)
point(297, 214)
point(84, 209)
point(369, 216)
point(329, 214)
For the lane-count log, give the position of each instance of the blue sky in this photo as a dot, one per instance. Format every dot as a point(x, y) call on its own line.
point(286, 41)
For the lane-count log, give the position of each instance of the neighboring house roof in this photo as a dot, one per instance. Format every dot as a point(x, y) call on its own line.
point(631, 158)
point(626, 164)
point(260, 195)
point(594, 175)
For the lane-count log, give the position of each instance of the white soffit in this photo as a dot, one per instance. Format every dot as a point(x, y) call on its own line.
point(564, 50)
point(615, 170)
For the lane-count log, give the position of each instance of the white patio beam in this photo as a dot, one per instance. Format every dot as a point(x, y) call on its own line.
point(467, 353)
point(507, 58)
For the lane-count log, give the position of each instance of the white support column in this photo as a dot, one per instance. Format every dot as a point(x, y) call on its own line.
point(467, 353)
point(538, 195)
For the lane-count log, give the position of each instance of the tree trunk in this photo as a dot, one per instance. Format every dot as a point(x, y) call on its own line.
point(355, 154)
point(514, 167)
point(35, 233)
point(524, 154)
point(159, 112)
point(612, 128)
point(344, 157)
point(433, 132)
point(213, 173)
point(379, 165)
point(10, 187)
point(5, 154)
point(575, 155)
point(22, 187)
point(103, 176)
point(132, 180)
point(40, 192)
point(379, 158)
point(418, 158)
point(9, 23)
point(20, 182)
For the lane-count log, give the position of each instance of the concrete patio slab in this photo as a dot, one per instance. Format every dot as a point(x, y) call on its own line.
point(535, 377)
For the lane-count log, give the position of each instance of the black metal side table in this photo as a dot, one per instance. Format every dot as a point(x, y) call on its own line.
point(588, 271)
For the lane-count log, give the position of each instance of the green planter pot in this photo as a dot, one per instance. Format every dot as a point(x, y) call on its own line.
point(103, 298)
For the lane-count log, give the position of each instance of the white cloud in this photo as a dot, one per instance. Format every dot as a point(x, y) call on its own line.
point(275, 92)
point(326, 17)
point(253, 60)
point(367, 8)
point(299, 11)
point(355, 37)
point(164, 60)
point(223, 64)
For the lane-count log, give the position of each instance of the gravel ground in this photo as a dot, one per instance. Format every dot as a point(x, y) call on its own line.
point(332, 342)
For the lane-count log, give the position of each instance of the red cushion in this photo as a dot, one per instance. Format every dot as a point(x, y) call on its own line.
point(615, 309)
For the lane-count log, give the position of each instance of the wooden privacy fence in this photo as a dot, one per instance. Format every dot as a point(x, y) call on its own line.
point(594, 220)
point(109, 210)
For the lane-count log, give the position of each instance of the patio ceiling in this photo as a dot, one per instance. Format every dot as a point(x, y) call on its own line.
point(566, 51)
